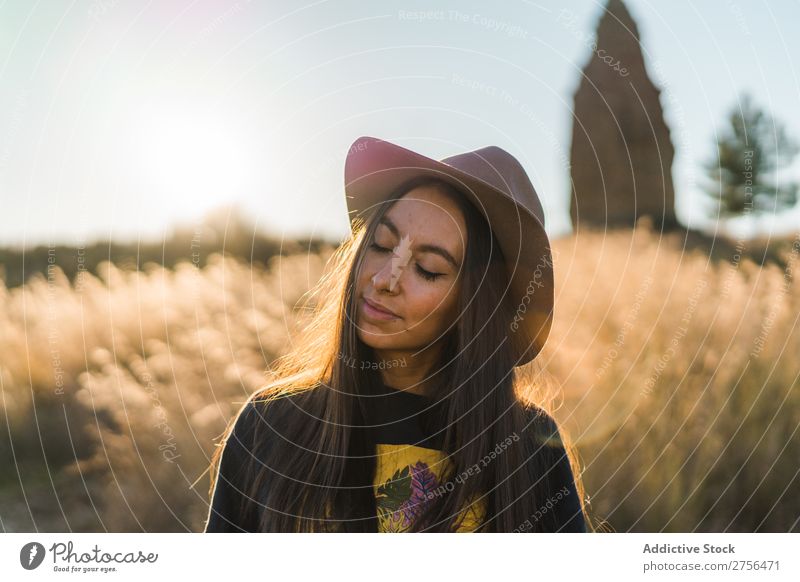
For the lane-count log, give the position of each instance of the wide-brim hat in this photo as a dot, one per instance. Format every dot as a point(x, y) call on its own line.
point(497, 184)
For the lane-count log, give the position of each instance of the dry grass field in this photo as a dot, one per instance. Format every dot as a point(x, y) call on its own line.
point(679, 378)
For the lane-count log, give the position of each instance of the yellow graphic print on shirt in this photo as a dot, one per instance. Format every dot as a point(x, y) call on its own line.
point(404, 477)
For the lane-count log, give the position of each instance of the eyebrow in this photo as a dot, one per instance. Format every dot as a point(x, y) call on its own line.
point(423, 248)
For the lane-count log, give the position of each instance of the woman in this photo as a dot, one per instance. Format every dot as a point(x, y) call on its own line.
point(404, 405)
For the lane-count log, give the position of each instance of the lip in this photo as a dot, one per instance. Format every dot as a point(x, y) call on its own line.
point(377, 311)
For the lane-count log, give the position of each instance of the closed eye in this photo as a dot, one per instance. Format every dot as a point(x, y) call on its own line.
point(377, 248)
point(427, 275)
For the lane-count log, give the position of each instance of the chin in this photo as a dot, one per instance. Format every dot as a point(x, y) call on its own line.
point(373, 340)
point(376, 341)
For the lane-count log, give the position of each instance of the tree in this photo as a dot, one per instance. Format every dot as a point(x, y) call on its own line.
point(749, 155)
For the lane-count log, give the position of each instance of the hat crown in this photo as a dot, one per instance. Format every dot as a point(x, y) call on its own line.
point(502, 171)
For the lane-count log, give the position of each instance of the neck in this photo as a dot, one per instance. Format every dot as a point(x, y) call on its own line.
point(403, 370)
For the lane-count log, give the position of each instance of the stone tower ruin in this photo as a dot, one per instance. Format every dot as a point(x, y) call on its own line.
point(621, 152)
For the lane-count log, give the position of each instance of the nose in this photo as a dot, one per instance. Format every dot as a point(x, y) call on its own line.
point(389, 275)
point(385, 279)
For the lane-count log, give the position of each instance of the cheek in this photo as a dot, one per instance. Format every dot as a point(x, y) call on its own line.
point(432, 305)
point(366, 273)
point(369, 268)
point(449, 308)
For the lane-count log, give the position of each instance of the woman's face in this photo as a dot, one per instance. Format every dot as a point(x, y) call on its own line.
point(412, 268)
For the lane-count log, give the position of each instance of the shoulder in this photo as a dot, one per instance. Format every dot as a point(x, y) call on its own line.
point(546, 444)
point(542, 427)
point(549, 446)
point(237, 443)
point(257, 414)
point(250, 436)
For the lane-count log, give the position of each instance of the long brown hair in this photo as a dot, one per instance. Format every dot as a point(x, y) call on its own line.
point(313, 464)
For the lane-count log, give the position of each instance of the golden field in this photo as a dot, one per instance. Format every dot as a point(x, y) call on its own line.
point(679, 378)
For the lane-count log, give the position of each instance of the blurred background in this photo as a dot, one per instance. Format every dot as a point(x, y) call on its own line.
point(171, 181)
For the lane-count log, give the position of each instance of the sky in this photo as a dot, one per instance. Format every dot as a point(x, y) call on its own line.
point(120, 119)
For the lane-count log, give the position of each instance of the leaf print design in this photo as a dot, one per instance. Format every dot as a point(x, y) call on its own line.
point(415, 474)
point(393, 522)
point(423, 480)
point(391, 495)
point(402, 498)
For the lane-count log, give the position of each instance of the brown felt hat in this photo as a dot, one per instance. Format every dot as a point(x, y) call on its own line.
point(496, 183)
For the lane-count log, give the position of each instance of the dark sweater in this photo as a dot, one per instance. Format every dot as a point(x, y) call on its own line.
point(408, 472)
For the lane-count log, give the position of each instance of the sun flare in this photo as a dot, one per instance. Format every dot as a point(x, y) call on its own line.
point(192, 157)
